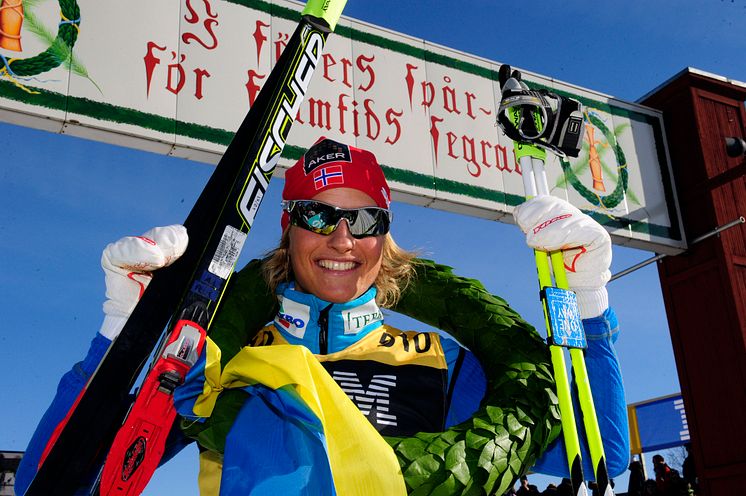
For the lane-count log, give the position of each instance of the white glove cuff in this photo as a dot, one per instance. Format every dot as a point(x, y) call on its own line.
point(112, 326)
point(592, 302)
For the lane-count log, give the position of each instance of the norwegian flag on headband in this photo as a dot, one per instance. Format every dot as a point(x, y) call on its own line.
point(328, 175)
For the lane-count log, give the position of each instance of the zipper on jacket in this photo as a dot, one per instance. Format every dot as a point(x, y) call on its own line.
point(324, 330)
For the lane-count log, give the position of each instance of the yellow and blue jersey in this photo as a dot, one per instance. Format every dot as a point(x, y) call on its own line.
point(402, 381)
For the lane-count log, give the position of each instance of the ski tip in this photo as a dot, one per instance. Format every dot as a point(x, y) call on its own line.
point(576, 476)
point(602, 477)
point(328, 10)
point(582, 490)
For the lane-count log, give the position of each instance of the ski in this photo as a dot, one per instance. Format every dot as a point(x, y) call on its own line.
point(192, 287)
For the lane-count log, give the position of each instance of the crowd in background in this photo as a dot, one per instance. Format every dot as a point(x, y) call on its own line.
point(667, 482)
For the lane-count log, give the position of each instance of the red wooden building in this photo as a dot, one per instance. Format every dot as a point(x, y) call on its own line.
point(705, 288)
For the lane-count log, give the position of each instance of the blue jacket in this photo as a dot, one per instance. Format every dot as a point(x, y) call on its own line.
point(462, 387)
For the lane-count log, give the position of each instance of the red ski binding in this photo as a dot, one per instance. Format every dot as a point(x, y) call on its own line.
point(139, 445)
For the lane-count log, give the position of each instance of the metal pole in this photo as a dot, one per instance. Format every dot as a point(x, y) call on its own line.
point(642, 264)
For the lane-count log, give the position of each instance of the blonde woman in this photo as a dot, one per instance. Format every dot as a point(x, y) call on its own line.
point(325, 285)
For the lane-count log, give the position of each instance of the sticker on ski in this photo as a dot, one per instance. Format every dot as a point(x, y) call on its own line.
point(229, 249)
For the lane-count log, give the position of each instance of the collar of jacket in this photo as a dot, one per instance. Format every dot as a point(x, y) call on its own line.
point(298, 319)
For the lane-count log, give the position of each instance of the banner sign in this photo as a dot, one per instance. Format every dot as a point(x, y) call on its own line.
point(658, 424)
point(177, 76)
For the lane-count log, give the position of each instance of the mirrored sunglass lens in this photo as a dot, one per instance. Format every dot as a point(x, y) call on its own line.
point(317, 217)
point(368, 222)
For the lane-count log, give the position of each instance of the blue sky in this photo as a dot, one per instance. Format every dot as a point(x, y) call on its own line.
point(62, 199)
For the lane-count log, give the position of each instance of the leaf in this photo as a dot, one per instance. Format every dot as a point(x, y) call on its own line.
point(561, 182)
point(438, 448)
point(474, 487)
point(456, 462)
point(515, 464)
point(475, 441)
point(504, 443)
point(451, 436)
point(505, 482)
point(581, 165)
point(486, 456)
point(428, 437)
point(449, 487)
point(524, 447)
point(514, 427)
point(480, 423)
point(421, 470)
point(35, 27)
point(490, 482)
point(496, 414)
point(411, 448)
point(620, 128)
point(423, 490)
point(500, 463)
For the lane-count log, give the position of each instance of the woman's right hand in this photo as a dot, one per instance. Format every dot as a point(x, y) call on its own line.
point(128, 265)
point(550, 224)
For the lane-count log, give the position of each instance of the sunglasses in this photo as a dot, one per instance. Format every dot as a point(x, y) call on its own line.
point(321, 218)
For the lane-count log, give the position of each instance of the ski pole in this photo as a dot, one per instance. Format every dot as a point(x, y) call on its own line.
point(531, 159)
point(524, 154)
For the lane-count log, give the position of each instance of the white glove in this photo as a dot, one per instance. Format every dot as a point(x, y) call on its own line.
point(128, 264)
point(552, 224)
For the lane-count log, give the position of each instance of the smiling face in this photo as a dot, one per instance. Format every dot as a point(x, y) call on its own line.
point(336, 268)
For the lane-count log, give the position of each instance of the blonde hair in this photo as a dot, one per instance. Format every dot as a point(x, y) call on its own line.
point(397, 269)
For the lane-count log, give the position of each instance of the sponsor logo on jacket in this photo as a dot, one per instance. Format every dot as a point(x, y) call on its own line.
point(373, 397)
point(293, 317)
point(356, 319)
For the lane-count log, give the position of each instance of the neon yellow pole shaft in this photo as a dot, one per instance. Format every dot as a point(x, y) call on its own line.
point(525, 154)
point(585, 398)
point(557, 355)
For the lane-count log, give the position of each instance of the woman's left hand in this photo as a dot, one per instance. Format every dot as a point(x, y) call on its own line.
point(551, 224)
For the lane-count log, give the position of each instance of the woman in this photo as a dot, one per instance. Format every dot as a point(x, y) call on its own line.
point(335, 267)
